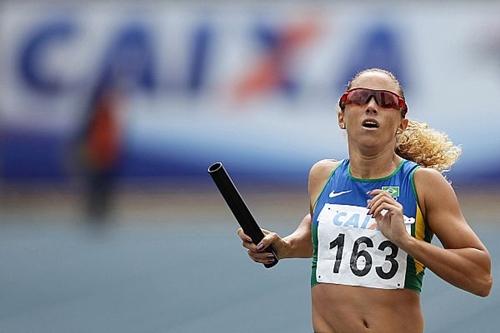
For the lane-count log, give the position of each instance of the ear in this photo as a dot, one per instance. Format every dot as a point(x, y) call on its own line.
point(402, 126)
point(340, 118)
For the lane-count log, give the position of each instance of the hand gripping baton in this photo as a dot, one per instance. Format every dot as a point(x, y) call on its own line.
point(238, 207)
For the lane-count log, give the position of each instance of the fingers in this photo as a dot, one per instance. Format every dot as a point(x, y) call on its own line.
point(258, 252)
point(247, 242)
point(384, 208)
point(381, 203)
point(382, 200)
point(261, 257)
point(268, 239)
point(244, 237)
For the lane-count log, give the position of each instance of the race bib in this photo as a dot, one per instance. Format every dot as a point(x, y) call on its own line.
point(351, 251)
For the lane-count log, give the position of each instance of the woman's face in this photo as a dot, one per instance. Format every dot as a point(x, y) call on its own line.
point(369, 124)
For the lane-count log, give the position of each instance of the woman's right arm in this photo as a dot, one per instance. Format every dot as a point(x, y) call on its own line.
point(299, 243)
point(296, 245)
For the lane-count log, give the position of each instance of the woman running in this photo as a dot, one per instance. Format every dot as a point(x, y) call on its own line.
point(373, 215)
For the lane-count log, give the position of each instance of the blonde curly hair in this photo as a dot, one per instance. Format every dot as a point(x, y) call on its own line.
point(426, 146)
point(418, 142)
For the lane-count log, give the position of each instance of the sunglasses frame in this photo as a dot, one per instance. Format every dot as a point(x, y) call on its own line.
point(401, 101)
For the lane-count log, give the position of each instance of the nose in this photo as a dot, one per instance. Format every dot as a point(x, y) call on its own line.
point(372, 106)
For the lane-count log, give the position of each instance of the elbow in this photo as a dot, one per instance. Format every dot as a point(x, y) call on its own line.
point(487, 286)
point(484, 286)
point(484, 280)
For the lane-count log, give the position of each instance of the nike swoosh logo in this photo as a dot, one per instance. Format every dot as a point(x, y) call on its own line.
point(334, 194)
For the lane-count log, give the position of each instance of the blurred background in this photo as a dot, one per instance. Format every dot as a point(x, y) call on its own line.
point(112, 111)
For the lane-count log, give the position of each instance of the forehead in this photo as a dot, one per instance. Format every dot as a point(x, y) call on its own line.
point(375, 80)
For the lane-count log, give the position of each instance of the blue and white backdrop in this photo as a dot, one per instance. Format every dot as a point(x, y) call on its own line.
point(253, 85)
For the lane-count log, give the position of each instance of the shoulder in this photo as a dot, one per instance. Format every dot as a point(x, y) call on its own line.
point(427, 177)
point(318, 176)
point(432, 188)
point(322, 169)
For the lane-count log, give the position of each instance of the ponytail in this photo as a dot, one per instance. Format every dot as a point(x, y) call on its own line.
point(427, 147)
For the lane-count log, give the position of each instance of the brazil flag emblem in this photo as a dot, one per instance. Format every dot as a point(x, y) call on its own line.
point(392, 190)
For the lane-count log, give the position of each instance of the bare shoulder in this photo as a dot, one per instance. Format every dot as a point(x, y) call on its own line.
point(424, 173)
point(427, 179)
point(318, 175)
point(321, 169)
point(434, 190)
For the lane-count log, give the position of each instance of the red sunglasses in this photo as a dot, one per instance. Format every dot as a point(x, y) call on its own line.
point(385, 99)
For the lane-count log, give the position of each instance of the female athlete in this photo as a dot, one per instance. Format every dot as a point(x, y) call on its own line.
point(372, 217)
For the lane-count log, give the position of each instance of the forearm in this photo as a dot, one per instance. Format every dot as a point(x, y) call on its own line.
point(465, 268)
point(299, 243)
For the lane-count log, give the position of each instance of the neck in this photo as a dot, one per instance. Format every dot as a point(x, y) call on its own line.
point(364, 164)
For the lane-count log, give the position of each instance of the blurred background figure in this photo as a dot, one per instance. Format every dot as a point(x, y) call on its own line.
point(100, 146)
point(101, 141)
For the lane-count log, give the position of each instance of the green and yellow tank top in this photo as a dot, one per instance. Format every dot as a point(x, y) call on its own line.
point(348, 247)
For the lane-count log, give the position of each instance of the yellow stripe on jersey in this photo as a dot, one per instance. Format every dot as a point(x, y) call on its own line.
point(419, 234)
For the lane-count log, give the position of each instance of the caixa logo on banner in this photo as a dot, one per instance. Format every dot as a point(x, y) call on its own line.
point(133, 52)
point(129, 53)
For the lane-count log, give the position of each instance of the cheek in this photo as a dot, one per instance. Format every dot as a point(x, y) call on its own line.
point(353, 112)
point(394, 122)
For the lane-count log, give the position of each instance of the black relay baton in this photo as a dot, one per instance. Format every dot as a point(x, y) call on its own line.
point(238, 207)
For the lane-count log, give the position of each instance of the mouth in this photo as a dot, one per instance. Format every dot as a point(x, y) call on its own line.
point(370, 124)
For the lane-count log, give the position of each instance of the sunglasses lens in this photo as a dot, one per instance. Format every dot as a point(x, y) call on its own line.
point(387, 100)
point(384, 99)
point(359, 96)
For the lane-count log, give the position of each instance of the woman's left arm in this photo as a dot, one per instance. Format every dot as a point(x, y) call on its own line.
point(464, 261)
